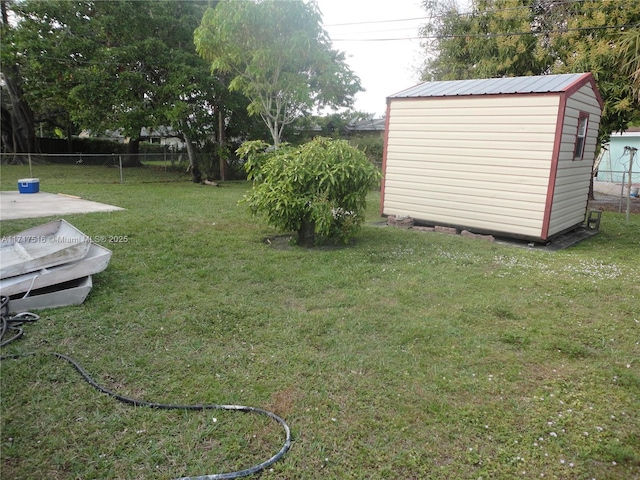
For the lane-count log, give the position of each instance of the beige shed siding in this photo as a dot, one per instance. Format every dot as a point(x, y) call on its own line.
point(571, 191)
point(479, 162)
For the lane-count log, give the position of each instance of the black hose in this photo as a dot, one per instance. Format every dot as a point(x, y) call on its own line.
point(12, 324)
point(170, 406)
point(161, 406)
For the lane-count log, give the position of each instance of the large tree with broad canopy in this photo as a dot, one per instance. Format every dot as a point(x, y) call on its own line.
point(109, 65)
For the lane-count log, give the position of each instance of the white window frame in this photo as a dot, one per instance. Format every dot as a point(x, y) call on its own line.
point(581, 136)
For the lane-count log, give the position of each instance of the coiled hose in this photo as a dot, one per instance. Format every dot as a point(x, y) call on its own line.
point(14, 324)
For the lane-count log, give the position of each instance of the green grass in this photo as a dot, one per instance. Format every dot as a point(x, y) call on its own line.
point(404, 355)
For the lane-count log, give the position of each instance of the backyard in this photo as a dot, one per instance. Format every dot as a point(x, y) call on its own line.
point(404, 354)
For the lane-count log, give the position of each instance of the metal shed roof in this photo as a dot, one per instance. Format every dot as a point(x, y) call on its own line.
point(493, 86)
point(369, 125)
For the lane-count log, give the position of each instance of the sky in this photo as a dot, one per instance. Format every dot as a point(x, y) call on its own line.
point(357, 28)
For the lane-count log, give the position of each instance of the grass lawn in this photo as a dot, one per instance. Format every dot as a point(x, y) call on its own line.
point(406, 355)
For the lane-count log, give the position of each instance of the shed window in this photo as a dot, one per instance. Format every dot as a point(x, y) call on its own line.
point(581, 136)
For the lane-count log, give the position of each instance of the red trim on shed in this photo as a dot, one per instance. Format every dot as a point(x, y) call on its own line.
point(582, 81)
point(553, 170)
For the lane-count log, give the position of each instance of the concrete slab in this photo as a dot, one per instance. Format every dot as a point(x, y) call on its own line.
point(16, 205)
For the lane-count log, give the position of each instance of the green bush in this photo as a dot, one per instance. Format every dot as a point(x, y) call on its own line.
point(317, 189)
point(371, 146)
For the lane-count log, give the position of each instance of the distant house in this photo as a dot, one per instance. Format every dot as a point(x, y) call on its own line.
point(614, 159)
point(372, 127)
point(158, 135)
point(112, 136)
point(162, 136)
point(507, 156)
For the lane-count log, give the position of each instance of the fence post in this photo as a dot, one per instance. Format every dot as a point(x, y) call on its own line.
point(624, 176)
point(120, 160)
point(632, 152)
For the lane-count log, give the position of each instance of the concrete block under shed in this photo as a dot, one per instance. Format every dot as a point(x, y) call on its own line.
point(400, 221)
point(477, 236)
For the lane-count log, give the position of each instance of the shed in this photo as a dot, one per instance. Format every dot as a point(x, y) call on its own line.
point(507, 156)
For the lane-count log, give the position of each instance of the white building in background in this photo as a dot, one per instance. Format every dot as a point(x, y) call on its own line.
point(158, 135)
point(614, 158)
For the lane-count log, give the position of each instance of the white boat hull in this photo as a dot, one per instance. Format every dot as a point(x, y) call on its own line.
point(44, 246)
point(60, 295)
point(95, 261)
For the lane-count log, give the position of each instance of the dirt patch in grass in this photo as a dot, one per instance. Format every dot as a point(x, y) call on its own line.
point(284, 401)
point(289, 241)
point(281, 242)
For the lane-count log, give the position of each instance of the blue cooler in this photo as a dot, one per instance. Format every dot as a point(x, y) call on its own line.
point(29, 185)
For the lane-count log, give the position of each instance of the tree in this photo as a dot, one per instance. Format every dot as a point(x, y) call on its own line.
point(20, 136)
point(474, 45)
point(119, 65)
point(279, 57)
point(630, 58)
point(143, 66)
point(535, 37)
point(317, 189)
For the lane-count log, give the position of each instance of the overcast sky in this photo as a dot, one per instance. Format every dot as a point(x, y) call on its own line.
point(358, 27)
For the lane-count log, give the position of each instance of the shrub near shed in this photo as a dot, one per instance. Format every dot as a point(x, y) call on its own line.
point(318, 189)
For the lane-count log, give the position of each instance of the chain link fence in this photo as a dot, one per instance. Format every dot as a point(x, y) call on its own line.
point(613, 188)
point(208, 164)
point(615, 183)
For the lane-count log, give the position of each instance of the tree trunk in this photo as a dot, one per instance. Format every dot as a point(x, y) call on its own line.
point(273, 129)
point(7, 132)
point(23, 128)
point(133, 154)
point(22, 124)
point(223, 161)
point(190, 150)
point(306, 234)
point(594, 169)
point(196, 176)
